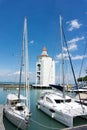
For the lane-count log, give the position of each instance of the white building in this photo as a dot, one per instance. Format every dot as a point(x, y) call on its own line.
point(45, 70)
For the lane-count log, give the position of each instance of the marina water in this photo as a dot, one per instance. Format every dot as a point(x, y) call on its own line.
point(38, 120)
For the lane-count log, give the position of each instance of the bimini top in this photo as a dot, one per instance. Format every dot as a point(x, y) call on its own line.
point(15, 97)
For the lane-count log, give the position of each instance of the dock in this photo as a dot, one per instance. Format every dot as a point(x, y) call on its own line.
point(1, 118)
point(82, 127)
point(83, 98)
point(78, 90)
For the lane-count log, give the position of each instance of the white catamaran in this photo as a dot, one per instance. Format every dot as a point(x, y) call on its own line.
point(17, 107)
point(59, 105)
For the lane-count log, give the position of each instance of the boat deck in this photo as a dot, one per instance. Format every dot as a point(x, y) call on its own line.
point(1, 118)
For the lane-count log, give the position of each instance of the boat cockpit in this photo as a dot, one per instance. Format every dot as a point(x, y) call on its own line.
point(19, 108)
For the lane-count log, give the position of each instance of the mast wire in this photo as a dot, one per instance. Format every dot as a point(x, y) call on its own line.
point(83, 59)
point(72, 67)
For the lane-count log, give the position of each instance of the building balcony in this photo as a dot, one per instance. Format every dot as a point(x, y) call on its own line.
point(38, 74)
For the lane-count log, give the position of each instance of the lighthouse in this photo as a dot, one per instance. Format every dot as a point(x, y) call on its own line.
point(45, 70)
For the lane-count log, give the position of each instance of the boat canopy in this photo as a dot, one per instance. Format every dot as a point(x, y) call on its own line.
point(59, 87)
point(15, 97)
point(19, 104)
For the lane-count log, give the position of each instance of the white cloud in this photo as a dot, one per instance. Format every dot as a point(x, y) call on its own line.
point(14, 73)
point(4, 72)
point(66, 57)
point(6, 75)
point(73, 43)
point(59, 57)
point(73, 24)
point(56, 61)
point(79, 57)
point(71, 47)
point(32, 42)
point(74, 40)
point(10, 76)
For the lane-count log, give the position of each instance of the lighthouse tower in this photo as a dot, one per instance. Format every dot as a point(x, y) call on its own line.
point(45, 70)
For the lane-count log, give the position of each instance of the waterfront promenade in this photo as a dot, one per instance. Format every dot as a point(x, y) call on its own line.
point(5, 86)
point(1, 118)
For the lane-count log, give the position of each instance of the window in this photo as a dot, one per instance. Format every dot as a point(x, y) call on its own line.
point(68, 100)
point(58, 101)
point(13, 103)
point(48, 100)
point(20, 108)
point(61, 101)
point(41, 97)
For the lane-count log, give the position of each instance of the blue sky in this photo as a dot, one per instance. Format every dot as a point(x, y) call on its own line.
point(43, 30)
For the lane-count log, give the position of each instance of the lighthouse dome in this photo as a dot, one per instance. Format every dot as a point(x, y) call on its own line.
point(44, 49)
point(44, 52)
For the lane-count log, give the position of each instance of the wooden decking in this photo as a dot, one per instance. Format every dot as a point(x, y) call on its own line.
point(1, 118)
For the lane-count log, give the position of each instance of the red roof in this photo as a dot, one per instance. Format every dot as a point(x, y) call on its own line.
point(44, 49)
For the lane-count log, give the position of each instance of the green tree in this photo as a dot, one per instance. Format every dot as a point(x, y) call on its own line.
point(80, 79)
point(85, 78)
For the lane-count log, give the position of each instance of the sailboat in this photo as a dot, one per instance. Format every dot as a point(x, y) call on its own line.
point(59, 105)
point(17, 107)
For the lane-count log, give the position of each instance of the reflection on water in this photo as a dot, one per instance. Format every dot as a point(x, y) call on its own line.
point(38, 120)
point(8, 125)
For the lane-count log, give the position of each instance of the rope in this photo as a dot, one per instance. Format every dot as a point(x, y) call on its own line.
point(51, 128)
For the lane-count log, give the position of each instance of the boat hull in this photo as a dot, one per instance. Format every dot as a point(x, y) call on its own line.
point(17, 121)
point(58, 115)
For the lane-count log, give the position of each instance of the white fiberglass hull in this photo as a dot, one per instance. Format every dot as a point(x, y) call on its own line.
point(17, 120)
point(64, 118)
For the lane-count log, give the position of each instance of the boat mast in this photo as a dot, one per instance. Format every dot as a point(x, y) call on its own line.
point(26, 64)
point(21, 65)
point(61, 40)
point(72, 68)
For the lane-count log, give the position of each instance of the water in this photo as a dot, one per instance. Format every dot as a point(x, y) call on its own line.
point(39, 120)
